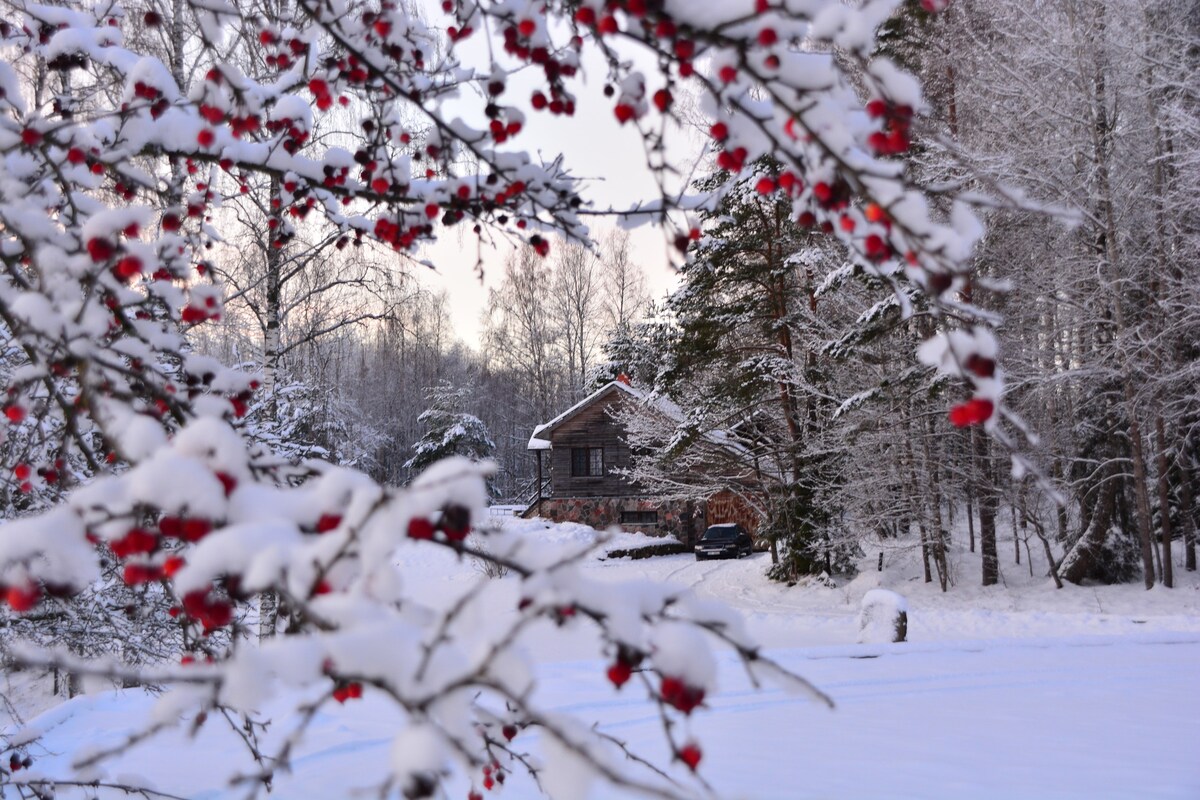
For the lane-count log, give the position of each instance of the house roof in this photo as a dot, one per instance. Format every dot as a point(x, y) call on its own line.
point(540, 440)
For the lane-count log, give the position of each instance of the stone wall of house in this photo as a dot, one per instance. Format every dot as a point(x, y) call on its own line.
point(682, 519)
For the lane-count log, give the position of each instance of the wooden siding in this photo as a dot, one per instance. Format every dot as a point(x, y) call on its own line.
point(725, 506)
point(590, 427)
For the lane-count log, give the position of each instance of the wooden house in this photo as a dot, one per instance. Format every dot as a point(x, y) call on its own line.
point(580, 455)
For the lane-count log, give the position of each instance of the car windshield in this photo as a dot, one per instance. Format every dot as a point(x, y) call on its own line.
point(720, 534)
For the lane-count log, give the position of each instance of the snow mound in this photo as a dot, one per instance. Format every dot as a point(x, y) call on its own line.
point(883, 617)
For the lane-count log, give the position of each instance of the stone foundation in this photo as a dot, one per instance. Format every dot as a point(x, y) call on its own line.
point(681, 519)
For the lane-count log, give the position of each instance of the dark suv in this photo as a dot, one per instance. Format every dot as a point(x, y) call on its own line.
point(724, 541)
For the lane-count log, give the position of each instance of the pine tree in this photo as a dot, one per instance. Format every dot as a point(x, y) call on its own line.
point(449, 431)
point(743, 360)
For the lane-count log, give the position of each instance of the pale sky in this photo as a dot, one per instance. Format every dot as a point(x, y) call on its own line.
point(610, 156)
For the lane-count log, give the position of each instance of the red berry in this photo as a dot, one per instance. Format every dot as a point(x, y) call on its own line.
point(973, 412)
point(127, 268)
point(765, 185)
point(228, 482)
point(877, 249)
point(526, 27)
point(939, 282)
point(509, 731)
point(662, 100)
point(15, 414)
point(767, 37)
point(619, 673)
point(100, 249)
point(328, 522)
point(727, 73)
point(30, 137)
point(624, 112)
point(193, 530)
point(23, 598)
point(420, 528)
point(690, 755)
point(585, 16)
point(152, 19)
point(205, 138)
point(980, 366)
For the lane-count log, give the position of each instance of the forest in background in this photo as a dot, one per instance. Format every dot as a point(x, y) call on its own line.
point(1093, 131)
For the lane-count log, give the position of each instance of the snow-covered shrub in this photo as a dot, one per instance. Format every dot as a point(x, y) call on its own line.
point(883, 617)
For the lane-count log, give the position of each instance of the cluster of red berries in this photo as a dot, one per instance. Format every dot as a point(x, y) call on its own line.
point(351, 690)
point(158, 103)
point(193, 314)
point(281, 54)
point(17, 762)
point(977, 410)
point(893, 138)
point(211, 611)
point(678, 694)
point(454, 523)
point(105, 251)
point(493, 773)
point(400, 238)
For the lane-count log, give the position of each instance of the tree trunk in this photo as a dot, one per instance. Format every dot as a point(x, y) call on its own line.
point(1078, 560)
point(1016, 539)
point(1140, 494)
point(1164, 502)
point(970, 520)
point(915, 491)
point(987, 539)
point(1186, 512)
point(1102, 129)
point(935, 504)
point(987, 513)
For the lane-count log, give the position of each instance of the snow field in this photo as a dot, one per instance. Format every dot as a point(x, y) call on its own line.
point(1017, 691)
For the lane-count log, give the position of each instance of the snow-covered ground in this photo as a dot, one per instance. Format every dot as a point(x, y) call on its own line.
point(1019, 690)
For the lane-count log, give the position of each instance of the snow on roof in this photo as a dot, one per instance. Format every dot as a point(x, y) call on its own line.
point(536, 442)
